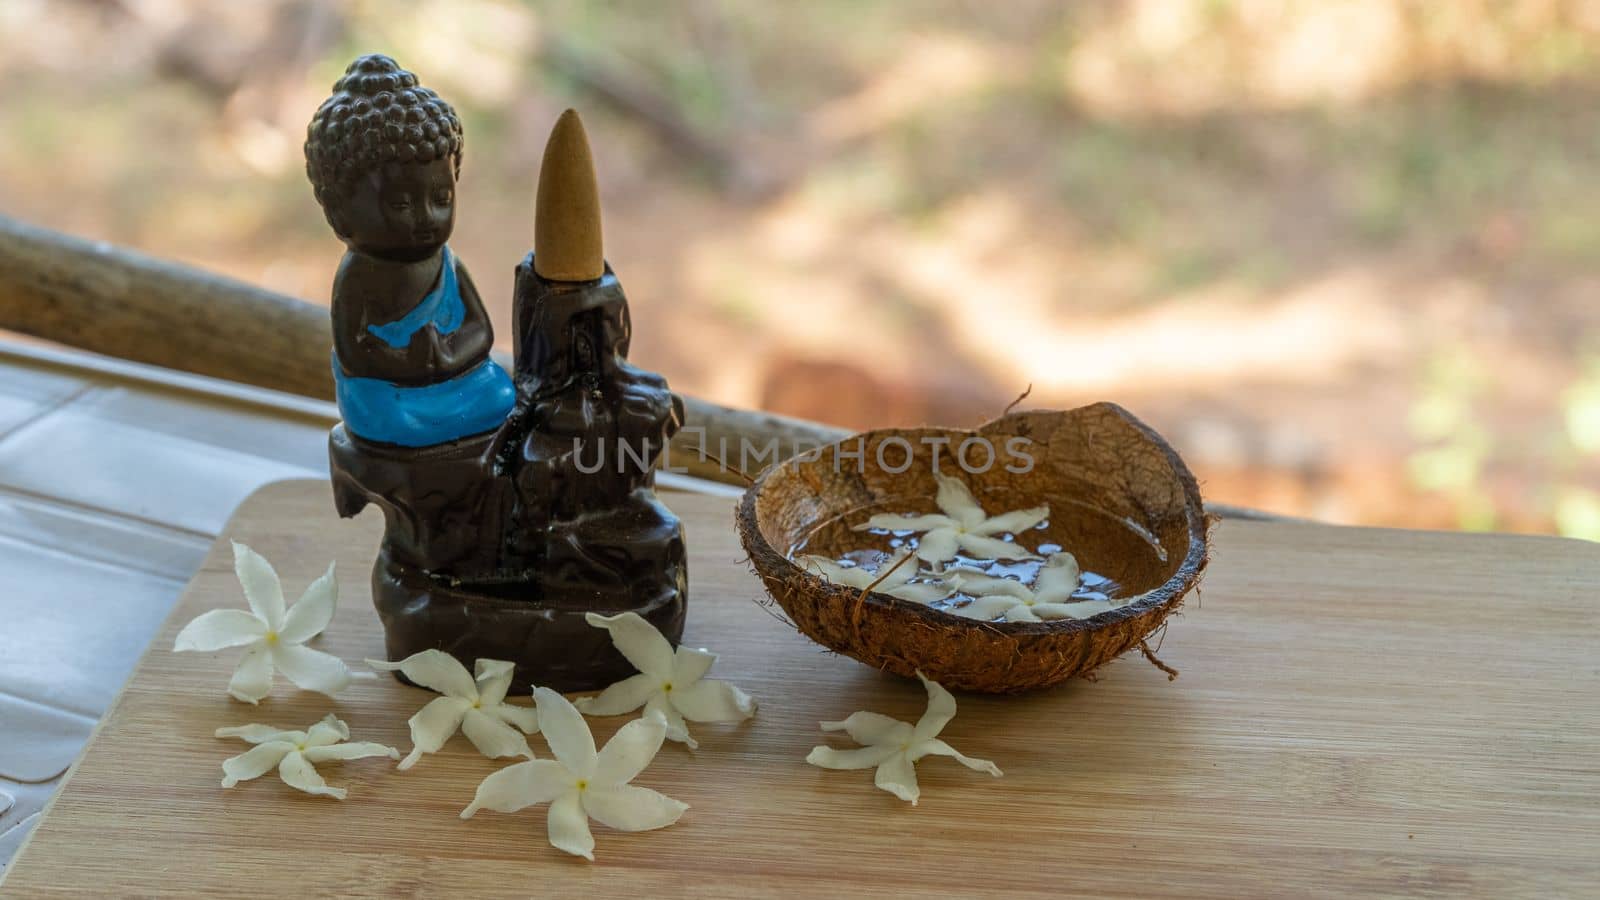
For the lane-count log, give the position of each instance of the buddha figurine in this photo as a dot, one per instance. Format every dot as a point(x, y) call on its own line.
point(512, 508)
point(410, 335)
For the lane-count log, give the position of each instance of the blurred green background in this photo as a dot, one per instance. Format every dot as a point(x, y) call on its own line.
point(1343, 252)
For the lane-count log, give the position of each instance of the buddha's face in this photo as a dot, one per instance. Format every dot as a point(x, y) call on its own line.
point(403, 211)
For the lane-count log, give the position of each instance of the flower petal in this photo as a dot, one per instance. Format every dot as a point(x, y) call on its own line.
point(941, 709)
point(260, 583)
point(1014, 522)
point(956, 499)
point(331, 730)
point(1057, 578)
point(629, 751)
point(690, 665)
point(1081, 609)
point(625, 696)
point(520, 786)
point(218, 630)
point(713, 701)
point(978, 584)
point(435, 670)
point(844, 576)
point(984, 608)
point(628, 807)
point(260, 734)
point(523, 717)
point(566, 732)
point(899, 777)
point(890, 522)
point(993, 548)
point(638, 640)
point(895, 571)
point(255, 762)
point(1022, 612)
point(677, 730)
point(493, 678)
point(298, 773)
point(936, 747)
point(568, 826)
point(355, 750)
point(855, 758)
point(492, 737)
point(923, 592)
point(252, 680)
point(313, 611)
point(872, 728)
point(937, 546)
point(311, 669)
point(432, 725)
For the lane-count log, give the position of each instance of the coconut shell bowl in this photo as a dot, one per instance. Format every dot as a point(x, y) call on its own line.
point(1119, 499)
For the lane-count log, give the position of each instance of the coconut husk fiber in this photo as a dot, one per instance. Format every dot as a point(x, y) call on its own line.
point(1121, 501)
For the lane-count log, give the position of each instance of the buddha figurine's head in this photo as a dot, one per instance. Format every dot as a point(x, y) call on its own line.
point(383, 154)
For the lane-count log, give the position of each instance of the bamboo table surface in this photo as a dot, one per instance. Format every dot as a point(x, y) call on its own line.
point(1360, 711)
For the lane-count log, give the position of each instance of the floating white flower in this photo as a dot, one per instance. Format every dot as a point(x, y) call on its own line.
point(474, 705)
point(896, 583)
point(275, 638)
point(670, 683)
point(964, 526)
point(296, 753)
point(894, 746)
point(580, 784)
point(1049, 598)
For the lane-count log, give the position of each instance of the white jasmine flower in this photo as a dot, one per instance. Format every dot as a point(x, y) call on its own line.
point(895, 583)
point(964, 526)
point(274, 637)
point(669, 683)
point(474, 705)
point(580, 784)
point(894, 746)
point(1049, 598)
point(296, 753)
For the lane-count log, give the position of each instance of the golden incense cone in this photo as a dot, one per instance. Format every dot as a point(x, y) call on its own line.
point(566, 222)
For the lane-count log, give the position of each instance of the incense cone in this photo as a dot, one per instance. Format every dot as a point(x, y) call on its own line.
point(567, 243)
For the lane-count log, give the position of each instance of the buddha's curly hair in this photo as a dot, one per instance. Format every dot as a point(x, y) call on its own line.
point(378, 113)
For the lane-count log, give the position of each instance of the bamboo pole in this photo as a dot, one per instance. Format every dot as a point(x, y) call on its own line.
point(107, 299)
point(110, 300)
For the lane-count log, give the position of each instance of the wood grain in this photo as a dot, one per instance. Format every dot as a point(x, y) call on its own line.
point(1360, 712)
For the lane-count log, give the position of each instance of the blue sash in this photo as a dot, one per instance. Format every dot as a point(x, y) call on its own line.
point(442, 308)
point(473, 402)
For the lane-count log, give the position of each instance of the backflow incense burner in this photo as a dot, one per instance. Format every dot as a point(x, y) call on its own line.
point(513, 504)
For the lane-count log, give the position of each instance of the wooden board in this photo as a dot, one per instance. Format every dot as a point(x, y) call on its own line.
point(1360, 712)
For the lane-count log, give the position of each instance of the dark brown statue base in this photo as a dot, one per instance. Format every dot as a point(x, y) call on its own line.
point(546, 636)
point(440, 581)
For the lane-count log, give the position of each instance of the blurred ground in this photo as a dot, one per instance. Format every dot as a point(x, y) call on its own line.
point(1341, 251)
